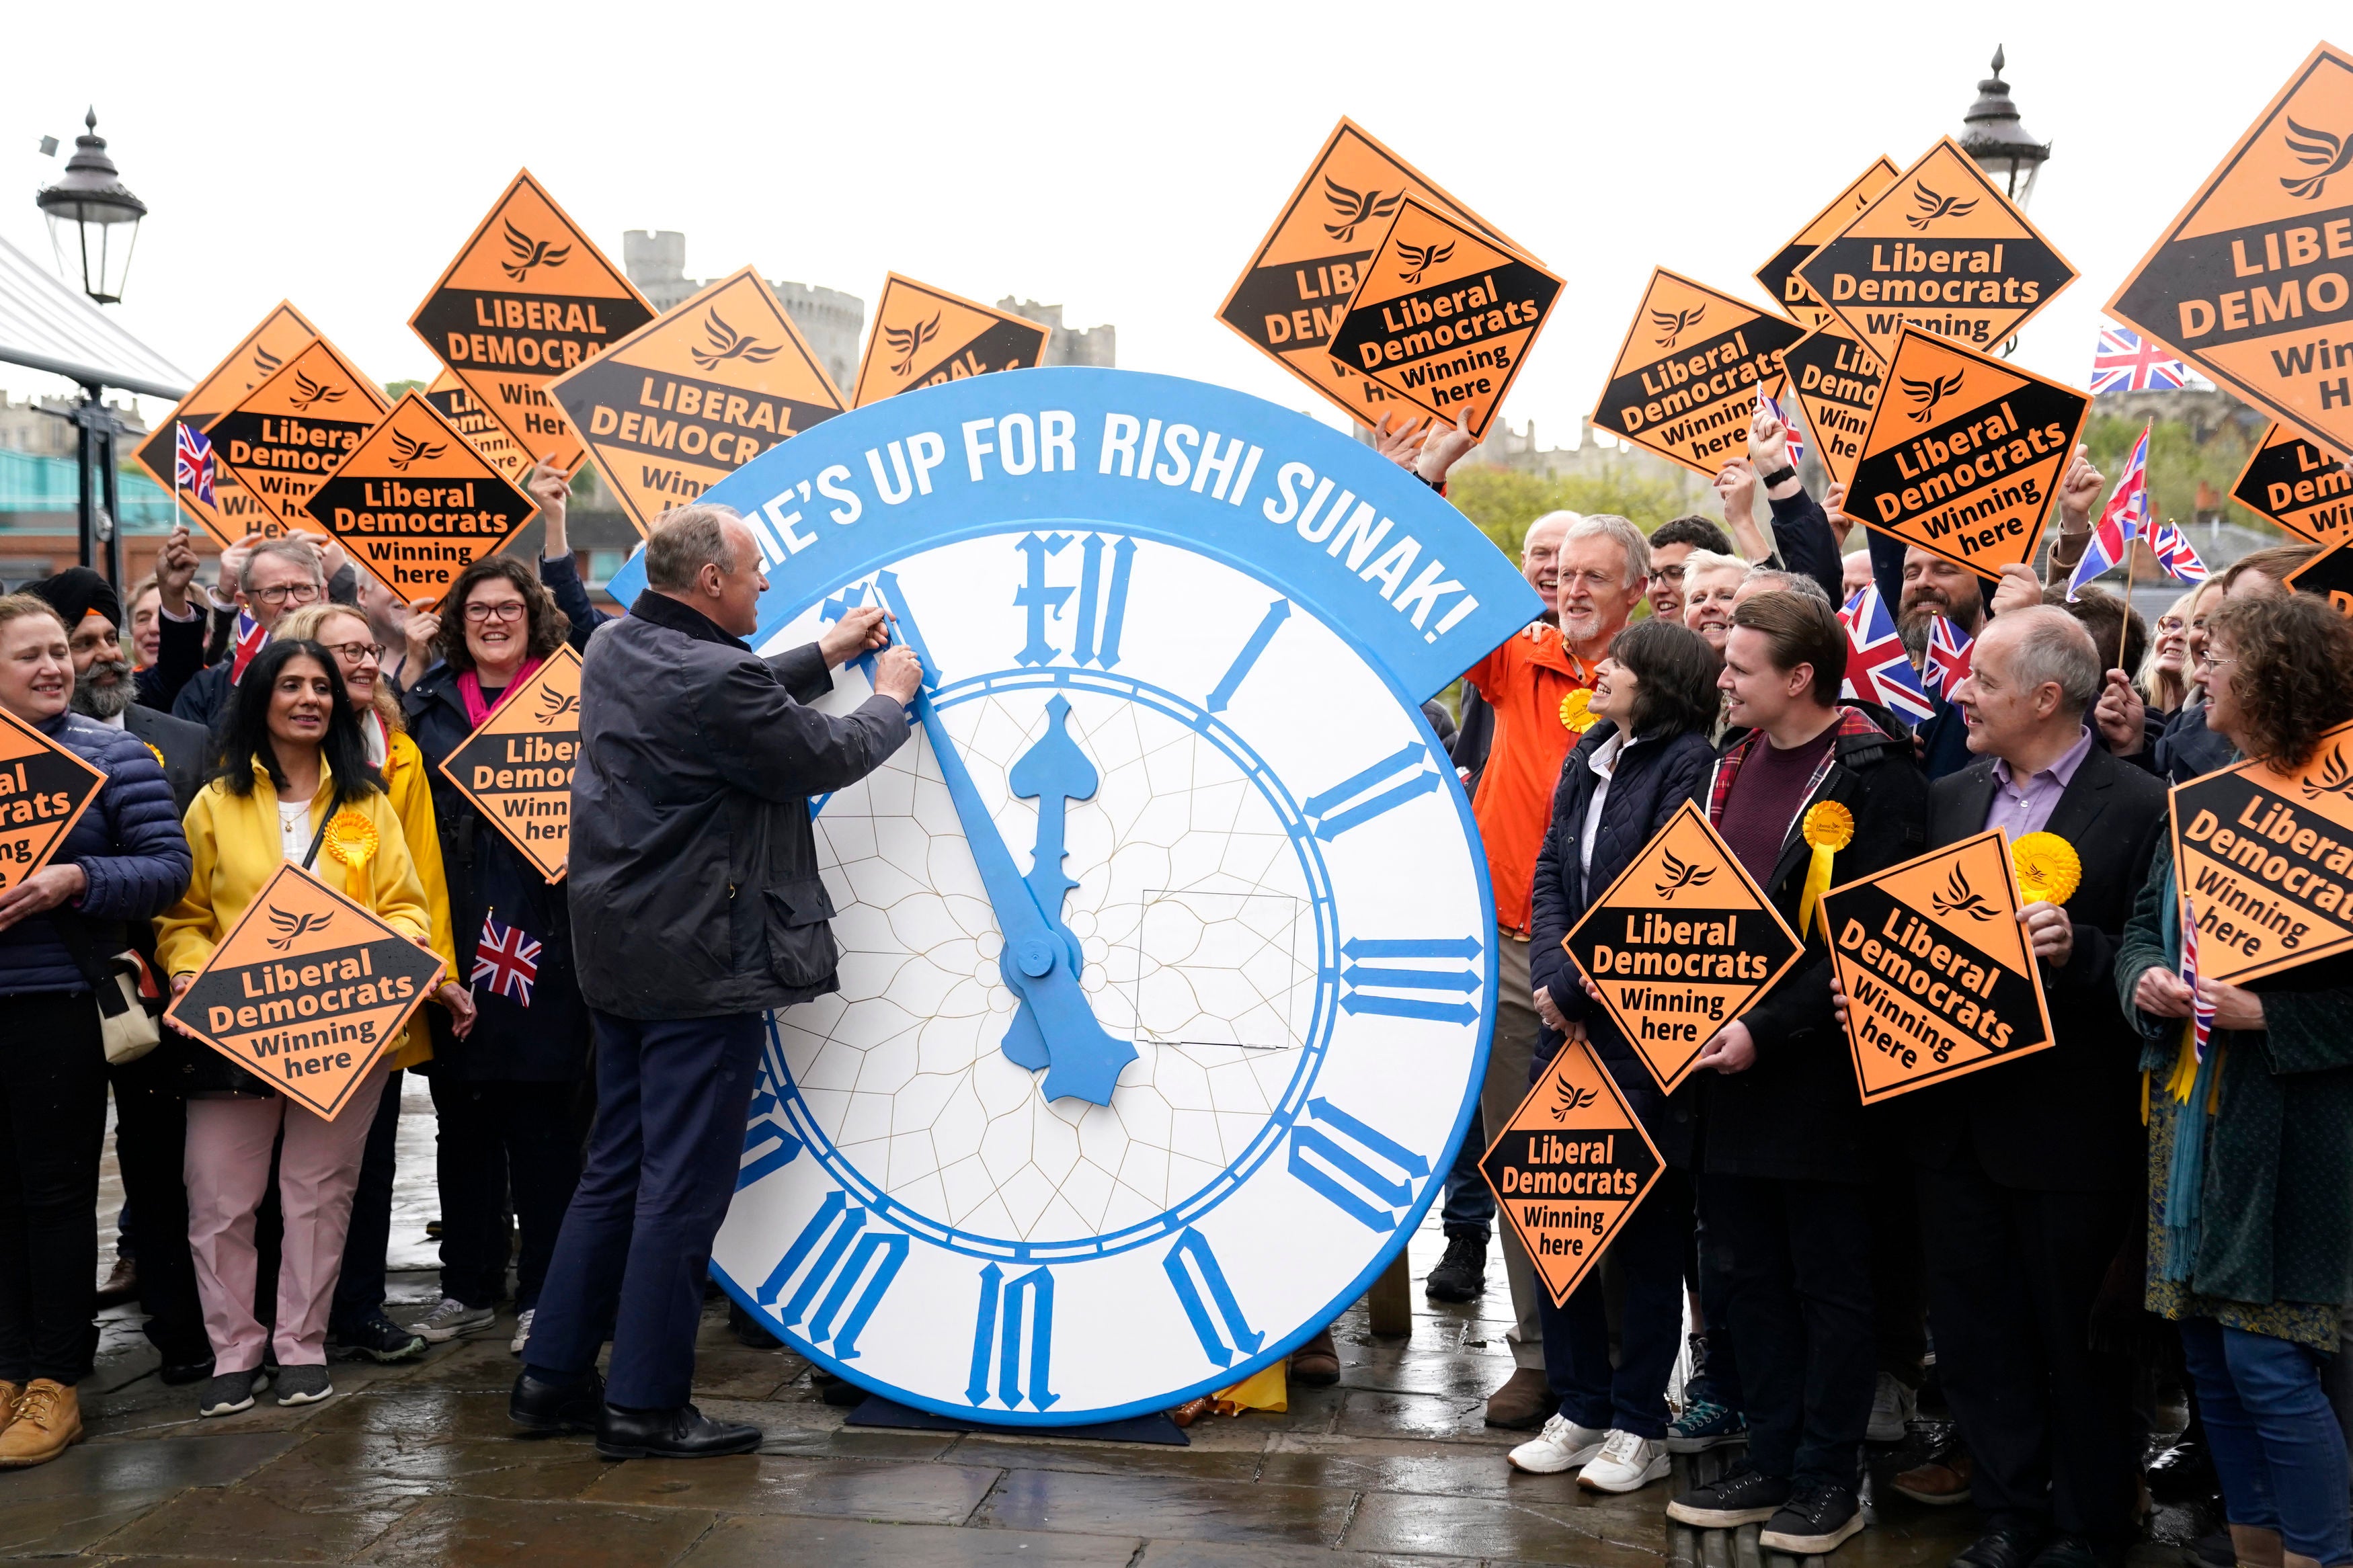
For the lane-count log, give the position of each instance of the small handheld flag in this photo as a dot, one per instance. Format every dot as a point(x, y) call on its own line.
point(2122, 521)
point(1877, 668)
point(251, 639)
point(506, 960)
point(192, 464)
point(1950, 651)
point(1789, 424)
point(2123, 361)
point(2172, 549)
point(2201, 1022)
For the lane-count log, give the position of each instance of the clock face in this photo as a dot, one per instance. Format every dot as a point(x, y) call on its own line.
point(1166, 981)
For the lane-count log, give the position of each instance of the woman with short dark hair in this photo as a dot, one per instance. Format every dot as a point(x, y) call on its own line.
point(2251, 1141)
point(1654, 702)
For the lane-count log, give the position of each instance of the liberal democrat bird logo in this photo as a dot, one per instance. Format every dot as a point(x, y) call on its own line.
point(1934, 206)
point(293, 928)
point(555, 705)
point(2314, 149)
point(1568, 1096)
point(1680, 874)
point(1929, 392)
point(2335, 777)
point(727, 343)
point(1420, 259)
point(529, 253)
point(406, 449)
point(1672, 325)
point(1355, 209)
point(309, 394)
point(265, 365)
point(1959, 899)
point(906, 341)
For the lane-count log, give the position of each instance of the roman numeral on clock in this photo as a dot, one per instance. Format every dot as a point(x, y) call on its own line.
point(1365, 987)
point(1227, 1335)
point(1349, 1162)
point(1103, 569)
point(845, 1254)
point(1383, 787)
point(1029, 1297)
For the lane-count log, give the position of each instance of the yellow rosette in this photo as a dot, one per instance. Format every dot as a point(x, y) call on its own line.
point(1577, 712)
point(1827, 827)
point(2048, 868)
point(351, 839)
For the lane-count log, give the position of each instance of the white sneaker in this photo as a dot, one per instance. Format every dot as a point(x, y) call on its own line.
point(451, 1319)
point(1563, 1445)
point(1892, 1405)
point(522, 1330)
point(1626, 1463)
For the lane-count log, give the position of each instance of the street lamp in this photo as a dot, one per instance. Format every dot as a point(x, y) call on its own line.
point(2003, 148)
point(93, 215)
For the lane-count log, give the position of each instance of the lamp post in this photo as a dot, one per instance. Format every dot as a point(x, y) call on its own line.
point(1992, 135)
point(94, 220)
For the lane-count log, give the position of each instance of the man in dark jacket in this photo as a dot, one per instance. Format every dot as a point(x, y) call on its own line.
point(696, 907)
point(1784, 1171)
point(2028, 1173)
point(269, 578)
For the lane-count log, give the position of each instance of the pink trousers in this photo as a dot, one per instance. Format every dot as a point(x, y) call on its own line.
point(229, 1168)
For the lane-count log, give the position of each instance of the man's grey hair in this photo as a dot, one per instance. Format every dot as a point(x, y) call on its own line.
point(1699, 561)
point(685, 540)
point(1630, 539)
point(1777, 581)
point(292, 550)
point(1566, 519)
point(2052, 646)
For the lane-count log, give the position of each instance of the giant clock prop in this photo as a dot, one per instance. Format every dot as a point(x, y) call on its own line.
point(1168, 961)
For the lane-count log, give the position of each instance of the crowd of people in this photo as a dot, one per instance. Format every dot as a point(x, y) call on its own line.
point(2038, 1243)
point(2030, 1249)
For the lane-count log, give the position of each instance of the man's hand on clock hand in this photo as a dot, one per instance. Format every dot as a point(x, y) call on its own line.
point(898, 673)
point(858, 631)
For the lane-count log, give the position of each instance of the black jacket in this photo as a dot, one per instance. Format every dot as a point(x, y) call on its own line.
point(1651, 779)
point(1801, 532)
point(2068, 1119)
point(2187, 748)
point(184, 747)
point(694, 880)
point(179, 655)
point(1796, 1114)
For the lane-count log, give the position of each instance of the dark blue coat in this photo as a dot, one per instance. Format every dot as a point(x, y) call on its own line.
point(129, 845)
point(1652, 778)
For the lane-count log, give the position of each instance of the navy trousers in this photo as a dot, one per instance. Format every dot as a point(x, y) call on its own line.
point(671, 1100)
point(1631, 1397)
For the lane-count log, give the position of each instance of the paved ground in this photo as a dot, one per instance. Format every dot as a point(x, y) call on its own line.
point(416, 1465)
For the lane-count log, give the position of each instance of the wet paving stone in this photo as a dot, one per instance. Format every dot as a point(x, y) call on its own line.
point(1206, 1463)
point(1362, 1464)
point(462, 1532)
point(1368, 1413)
point(1226, 1554)
point(1506, 1531)
point(368, 1465)
point(432, 1414)
point(756, 1483)
point(1176, 1510)
point(53, 1525)
point(768, 1542)
point(213, 1460)
point(236, 1521)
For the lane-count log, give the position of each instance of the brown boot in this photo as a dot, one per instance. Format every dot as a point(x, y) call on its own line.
point(9, 1394)
point(47, 1423)
point(121, 1283)
point(1524, 1402)
point(1316, 1363)
point(2256, 1548)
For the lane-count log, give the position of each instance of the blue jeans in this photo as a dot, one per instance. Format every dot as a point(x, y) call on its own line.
point(1648, 1249)
point(1470, 1206)
point(2276, 1441)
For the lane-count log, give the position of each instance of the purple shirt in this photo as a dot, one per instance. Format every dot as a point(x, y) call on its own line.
point(2020, 809)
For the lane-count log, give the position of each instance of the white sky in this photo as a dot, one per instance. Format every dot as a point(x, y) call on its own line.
point(1124, 161)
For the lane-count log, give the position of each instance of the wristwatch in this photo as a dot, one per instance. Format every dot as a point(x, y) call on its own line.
point(1781, 475)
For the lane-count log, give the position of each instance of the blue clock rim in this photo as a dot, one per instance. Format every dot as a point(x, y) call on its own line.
point(1316, 1321)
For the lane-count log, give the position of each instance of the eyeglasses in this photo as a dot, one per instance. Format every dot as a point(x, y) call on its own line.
point(285, 594)
point(2171, 624)
point(357, 652)
point(509, 610)
point(1667, 574)
point(2209, 661)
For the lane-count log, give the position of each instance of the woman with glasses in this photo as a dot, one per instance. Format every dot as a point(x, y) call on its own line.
point(2250, 1140)
point(509, 1095)
point(2164, 677)
point(358, 1324)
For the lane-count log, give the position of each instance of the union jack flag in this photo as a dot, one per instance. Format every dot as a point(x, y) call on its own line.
point(506, 960)
point(251, 639)
point(1877, 668)
point(2201, 1012)
point(192, 464)
point(1951, 652)
point(2127, 362)
point(2125, 518)
point(1789, 423)
point(2173, 551)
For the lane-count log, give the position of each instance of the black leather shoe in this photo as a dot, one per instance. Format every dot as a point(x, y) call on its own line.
point(173, 1373)
point(541, 1404)
point(2074, 1552)
point(838, 1391)
point(684, 1433)
point(2003, 1546)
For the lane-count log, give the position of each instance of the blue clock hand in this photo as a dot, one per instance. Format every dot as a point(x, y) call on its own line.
point(1054, 772)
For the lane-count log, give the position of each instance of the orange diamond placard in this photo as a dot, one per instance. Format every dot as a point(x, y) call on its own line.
point(1443, 320)
point(306, 991)
point(2329, 576)
point(1779, 275)
point(1942, 249)
point(44, 790)
point(2261, 859)
point(528, 298)
point(684, 401)
point(1938, 976)
point(1293, 291)
point(2253, 280)
point(284, 437)
point(1569, 1167)
point(416, 504)
point(1964, 453)
point(451, 400)
point(259, 355)
point(517, 768)
point(1836, 381)
point(1688, 374)
point(1680, 944)
point(2304, 488)
point(922, 336)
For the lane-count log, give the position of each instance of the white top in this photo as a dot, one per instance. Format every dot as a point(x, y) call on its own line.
point(1604, 763)
point(294, 829)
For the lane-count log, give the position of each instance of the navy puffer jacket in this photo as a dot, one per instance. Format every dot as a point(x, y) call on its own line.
point(1651, 779)
point(129, 845)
